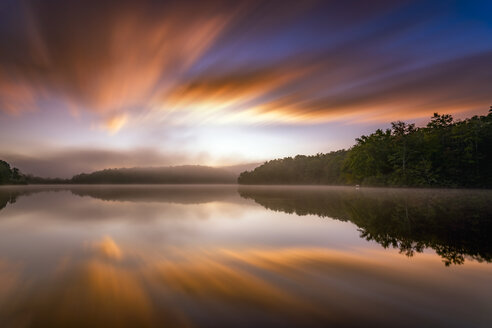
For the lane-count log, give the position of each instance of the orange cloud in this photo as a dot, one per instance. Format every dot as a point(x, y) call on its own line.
point(108, 248)
point(16, 96)
point(314, 89)
point(128, 52)
point(115, 123)
point(140, 59)
point(224, 98)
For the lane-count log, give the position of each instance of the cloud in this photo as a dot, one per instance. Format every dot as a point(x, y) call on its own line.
point(16, 96)
point(452, 86)
point(307, 89)
point(115, 123)
point(107, 248)
point(248, 62)
point(225, 97)
point(105, 57)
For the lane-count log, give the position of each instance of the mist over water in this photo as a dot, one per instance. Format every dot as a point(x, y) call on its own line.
point(227, 255)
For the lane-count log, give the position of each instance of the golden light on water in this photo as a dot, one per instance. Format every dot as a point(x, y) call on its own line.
point(192, 256)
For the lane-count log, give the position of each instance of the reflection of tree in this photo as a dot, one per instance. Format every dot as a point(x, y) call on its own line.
point(456, 224)
point(9, 195)
point(6, 198)
point(179, 194)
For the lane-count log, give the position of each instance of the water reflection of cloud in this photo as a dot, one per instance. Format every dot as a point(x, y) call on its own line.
point(294, 286)
point(207, 279)
point(90, 293)
point(9, 280)
point(264, 268)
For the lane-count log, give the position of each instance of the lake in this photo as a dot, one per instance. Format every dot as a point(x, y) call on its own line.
point(244, 256)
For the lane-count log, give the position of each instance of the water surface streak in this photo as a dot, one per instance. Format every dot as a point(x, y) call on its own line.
point(244, 256)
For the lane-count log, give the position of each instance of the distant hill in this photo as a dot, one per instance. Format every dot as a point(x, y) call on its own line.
point(153, 175)
point(184, 174)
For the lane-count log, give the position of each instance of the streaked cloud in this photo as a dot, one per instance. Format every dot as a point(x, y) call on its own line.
point(115, 123)
point(334, 86)
point(136, 74)
point(136, 56)
point(107, 248)
point(105, 57)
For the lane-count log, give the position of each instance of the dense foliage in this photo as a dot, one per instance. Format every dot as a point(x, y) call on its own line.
point(10, 175)
point(444, 153)
point(317, 169)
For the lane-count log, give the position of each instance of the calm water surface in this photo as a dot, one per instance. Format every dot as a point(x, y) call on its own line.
point(212, 256)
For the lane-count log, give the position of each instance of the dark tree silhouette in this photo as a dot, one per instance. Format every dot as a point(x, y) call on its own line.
point(10, 175)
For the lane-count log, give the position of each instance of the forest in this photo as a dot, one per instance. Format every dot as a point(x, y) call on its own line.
point(444, 153)
point(10, 175)
point(185, 174)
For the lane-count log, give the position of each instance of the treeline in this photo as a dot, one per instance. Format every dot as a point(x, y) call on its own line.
point(445, 153)
point(186, 174)
point(10, 175)
point(167, 175)
point(13, 176)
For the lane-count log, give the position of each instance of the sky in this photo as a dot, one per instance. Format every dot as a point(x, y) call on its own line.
point(87, 85)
